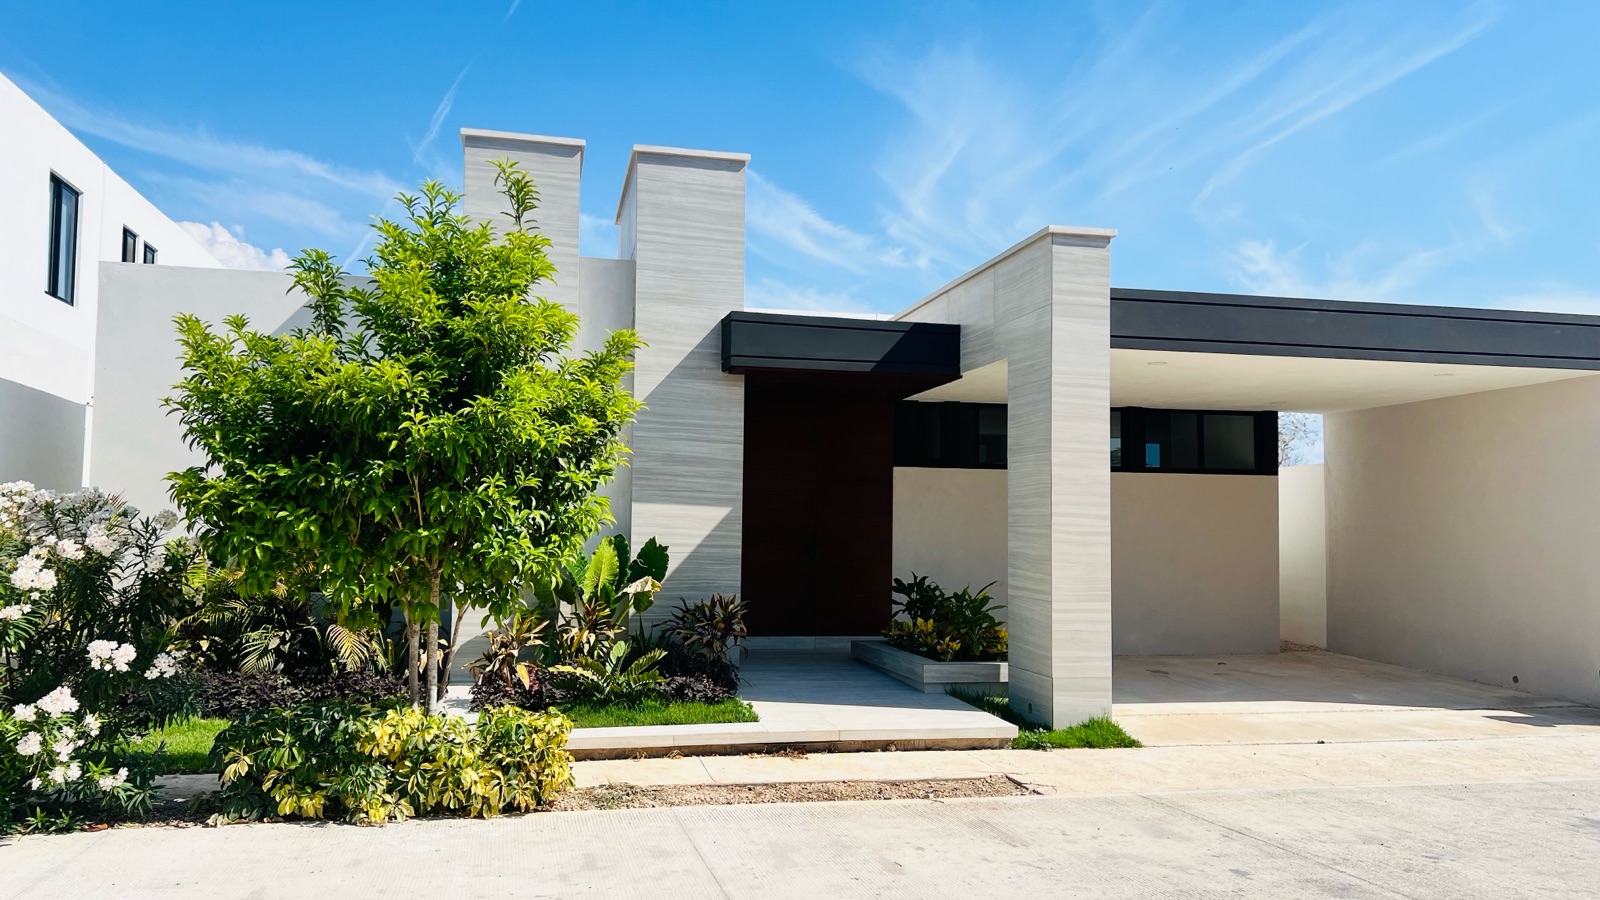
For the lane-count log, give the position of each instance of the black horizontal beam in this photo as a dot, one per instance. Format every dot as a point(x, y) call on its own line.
point(1282, 326)
point(772, 341)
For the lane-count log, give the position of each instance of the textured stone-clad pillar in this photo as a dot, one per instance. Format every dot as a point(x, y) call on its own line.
point(555, 164)
point(1042, 309)
point(681, 220)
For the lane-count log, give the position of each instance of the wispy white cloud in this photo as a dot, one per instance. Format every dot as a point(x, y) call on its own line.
point(511, 12)
point(1371, 268)
point(202, 150)
point(1356, 74)
point(249, 200)
point(597, 235)
point(231, 249)
point(790, 222)
point(440, 111)
point(771, 293)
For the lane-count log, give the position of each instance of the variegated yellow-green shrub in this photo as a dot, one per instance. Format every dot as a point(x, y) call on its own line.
point(371, 765)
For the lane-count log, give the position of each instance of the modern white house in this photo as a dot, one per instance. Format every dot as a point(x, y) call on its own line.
point(65, 213)
point(1107, 456)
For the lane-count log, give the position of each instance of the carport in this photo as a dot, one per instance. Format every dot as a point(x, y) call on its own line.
point(1140, 501)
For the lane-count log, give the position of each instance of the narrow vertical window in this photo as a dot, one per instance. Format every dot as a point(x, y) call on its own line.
point(130, 245)
point(63, 283)
point(149, 253)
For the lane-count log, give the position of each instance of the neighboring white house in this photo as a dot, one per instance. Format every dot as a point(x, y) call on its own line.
point(64, 212)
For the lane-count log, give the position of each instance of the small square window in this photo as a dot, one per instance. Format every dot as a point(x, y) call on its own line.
point(130, 245)
point(149, 253)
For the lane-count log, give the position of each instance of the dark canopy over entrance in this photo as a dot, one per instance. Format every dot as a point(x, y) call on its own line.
point(819, 461)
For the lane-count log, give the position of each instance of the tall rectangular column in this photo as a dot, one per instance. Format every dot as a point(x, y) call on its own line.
point(1042, 310)
point(681, 220)
point(555, 165)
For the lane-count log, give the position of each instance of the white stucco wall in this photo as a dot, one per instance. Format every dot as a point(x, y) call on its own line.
point(950, 525)
point(135, 443)
point(1194, 563)
point(1462, 536)
point(1302, 555)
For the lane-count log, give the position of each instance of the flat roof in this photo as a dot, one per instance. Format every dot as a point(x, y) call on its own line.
point(1198, 322)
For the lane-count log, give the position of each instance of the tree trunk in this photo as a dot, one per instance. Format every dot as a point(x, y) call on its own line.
point(434, 694)
point(450, 649)
point(413, 657)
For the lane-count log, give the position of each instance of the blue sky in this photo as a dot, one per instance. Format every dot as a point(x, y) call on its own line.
point(1411, 152)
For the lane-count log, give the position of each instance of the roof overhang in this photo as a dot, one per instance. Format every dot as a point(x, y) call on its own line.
point(755, 342)
point(1191, 322)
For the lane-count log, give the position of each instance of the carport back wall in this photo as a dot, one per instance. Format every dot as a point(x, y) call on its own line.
point(1461, 536)
point(1194, 564)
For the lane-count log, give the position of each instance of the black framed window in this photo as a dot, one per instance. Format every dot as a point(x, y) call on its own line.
point(1225, 442)
point(149, 253)
point(130, 245)
point(63, 279)
point(950, 435)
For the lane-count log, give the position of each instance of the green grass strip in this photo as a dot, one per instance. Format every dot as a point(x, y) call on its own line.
point(1099, 732)
point(657, 713)
point(188, 745)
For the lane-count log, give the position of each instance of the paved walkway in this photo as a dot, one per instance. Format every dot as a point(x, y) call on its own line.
point(815, 699)
point(1492, 818)
point(1311, 697)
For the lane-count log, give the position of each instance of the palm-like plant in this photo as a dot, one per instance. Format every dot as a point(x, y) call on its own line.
point(610, 677)
point(281, 630)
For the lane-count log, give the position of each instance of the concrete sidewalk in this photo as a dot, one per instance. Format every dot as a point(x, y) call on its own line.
point(1147, 769)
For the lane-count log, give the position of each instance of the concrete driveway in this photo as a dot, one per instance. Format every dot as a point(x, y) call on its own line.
point(1312, 697)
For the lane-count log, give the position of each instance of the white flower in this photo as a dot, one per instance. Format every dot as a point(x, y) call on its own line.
point(30, 744)
point(63, 748)
point(74, 772)
point(166, 520)
point(165, 665)
point(59, 701)
point(107, 782)
point(14, 613)
point(91, 724)
point(108, 655)
point(22, 712)
point(30, 573)
point(69, 550)
point(34, 783)
point(59, 775)
point(99, 541)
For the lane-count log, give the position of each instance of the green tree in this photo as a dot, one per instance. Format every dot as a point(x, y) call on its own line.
point(429, 435)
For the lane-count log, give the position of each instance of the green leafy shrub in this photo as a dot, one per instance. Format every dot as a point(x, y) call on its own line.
point(589, 599)
point(89, 594)
point(947, 627)
point(616, 676)
point(371, 765)
point(710, 628)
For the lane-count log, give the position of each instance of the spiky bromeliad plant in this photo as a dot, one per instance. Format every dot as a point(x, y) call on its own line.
point(430, 433)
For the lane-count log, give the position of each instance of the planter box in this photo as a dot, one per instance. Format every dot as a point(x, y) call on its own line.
point(931, 676)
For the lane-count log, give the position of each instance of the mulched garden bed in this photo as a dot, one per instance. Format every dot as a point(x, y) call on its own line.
point(629, 796)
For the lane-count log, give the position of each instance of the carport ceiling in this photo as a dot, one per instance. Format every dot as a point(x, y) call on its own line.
point(1162, 378)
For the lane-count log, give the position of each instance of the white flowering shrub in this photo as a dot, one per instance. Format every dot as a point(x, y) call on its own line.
point(90, 592)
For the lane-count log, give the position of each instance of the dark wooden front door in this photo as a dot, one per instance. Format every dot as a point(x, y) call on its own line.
point(818, 507)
